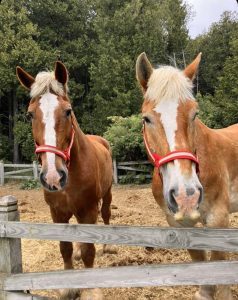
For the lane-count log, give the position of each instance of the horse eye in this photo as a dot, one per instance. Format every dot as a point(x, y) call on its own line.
point(146, 120)
point(68, 112)
point(29, 116)
point(195, 115)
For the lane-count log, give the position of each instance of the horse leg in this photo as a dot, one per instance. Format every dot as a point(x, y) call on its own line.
point(88, 252)
point(220, 218)
point(205, 292)
point(106, 215)
point(66, 250)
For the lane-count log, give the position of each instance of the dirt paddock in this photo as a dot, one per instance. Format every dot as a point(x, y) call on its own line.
point(132, 205)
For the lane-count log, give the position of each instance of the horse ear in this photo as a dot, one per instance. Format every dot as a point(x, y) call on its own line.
point(25, 78)
point(191, 70)
point(61, 73)
point(143, 70)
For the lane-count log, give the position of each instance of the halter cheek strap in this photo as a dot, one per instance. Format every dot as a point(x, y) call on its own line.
point(64, 154)
point(159, 161)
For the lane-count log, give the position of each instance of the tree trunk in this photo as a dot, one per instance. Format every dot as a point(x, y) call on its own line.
point(14, 115)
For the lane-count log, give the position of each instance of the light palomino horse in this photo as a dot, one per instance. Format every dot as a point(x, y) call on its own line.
point(76, 168)
point(195, 176)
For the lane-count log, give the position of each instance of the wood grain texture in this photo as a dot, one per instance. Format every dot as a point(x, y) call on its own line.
point(10, 249)
point(128, 163)
point(132, 169)
point(20, 296)
point(178, 238)
point(18, 171)
point(210, 273)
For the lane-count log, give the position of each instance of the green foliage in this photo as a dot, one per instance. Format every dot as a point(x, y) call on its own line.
point(215, 46)
point(30, 184)
point(124, 135)
point(221, 109)
point(23, 135)
point(4, 148)
point(124, 29)
point(99, 42)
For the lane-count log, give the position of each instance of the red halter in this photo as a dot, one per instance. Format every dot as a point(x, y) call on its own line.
point(65, 154)
point(158, 160)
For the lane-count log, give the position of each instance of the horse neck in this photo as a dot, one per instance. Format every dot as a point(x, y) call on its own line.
point(203, 135)
point(79, 148)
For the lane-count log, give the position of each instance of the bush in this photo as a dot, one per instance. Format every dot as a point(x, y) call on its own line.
point(126, 139)
point(30, 184)
point(23, 135)
point(5, 148)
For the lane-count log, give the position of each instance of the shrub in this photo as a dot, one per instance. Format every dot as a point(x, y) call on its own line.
point(126, 139)
point(30, 184)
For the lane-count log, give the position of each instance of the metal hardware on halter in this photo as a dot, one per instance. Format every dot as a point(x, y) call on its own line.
point(158, 160)
point(65, 154)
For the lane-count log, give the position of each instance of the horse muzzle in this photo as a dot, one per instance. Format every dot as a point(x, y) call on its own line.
point(184, 203)
point(54, 181)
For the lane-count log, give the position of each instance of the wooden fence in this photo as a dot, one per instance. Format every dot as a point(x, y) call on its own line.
point(33, 169)
point(134, 167)
point(13, 282)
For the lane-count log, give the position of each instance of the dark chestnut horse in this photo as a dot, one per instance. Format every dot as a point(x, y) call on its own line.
point(195, 176)
point(76, 168)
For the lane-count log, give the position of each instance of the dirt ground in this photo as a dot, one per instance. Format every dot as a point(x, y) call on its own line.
point(132, 205)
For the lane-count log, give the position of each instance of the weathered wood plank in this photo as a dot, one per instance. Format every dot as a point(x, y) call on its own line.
point(20, 296)
point(115, 176)
point(18, 177)
point(10, 249)
point(17, 165)
point(136, 176)
point(35, 170)
point(19, 171)
point(132, 169)
point(210, 273)
point(179, 238)
point(128, 163)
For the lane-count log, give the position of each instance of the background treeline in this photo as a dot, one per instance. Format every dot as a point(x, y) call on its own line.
point(99, 41)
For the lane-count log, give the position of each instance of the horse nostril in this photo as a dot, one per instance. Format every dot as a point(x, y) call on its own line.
point(172, 204)
point(42, 178)
point(63, 178)
point(201, 195)
point(190, 191)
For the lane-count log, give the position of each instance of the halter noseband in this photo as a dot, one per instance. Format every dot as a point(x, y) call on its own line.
point(64, 154)
point(159, 161)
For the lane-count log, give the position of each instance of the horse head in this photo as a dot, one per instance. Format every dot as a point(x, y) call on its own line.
point(52, 123)
point(169, 115)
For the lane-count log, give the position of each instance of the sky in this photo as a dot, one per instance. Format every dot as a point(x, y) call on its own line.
point(206, 12)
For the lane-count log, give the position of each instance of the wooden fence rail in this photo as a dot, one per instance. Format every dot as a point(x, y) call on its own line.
point(131, 166)
point(14, 174)
point(13, 281)
point(129, 276)
point(173, 238)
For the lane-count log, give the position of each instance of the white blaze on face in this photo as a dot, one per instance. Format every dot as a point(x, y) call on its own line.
point(168, 116)
point(173, 178)
point(48, 105)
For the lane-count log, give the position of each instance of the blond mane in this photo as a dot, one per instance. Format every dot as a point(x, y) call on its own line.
point(46, 82)
point(169, 84)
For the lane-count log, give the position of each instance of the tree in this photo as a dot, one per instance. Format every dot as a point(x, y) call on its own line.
point(124, 29)
point(18, 47)
point(215, 46)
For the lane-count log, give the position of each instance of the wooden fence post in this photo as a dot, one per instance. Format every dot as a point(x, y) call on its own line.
point(1, 173)
point(10, 249)
point(115, 177)
point(35, 170)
